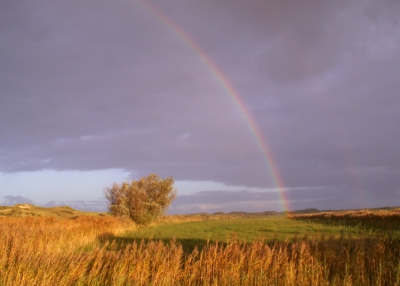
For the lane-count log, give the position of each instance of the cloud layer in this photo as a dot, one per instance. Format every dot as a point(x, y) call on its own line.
point(96, 86)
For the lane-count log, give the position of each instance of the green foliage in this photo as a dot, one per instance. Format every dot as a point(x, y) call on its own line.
point(142, 200)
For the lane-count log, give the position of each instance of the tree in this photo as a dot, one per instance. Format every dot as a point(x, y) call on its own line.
point(142, 200)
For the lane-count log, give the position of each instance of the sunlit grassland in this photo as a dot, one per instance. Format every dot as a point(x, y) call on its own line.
point(28, 210)
point(71, 248)
point(198, 233)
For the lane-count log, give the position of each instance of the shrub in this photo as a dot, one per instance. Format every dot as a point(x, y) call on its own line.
point(142, 200)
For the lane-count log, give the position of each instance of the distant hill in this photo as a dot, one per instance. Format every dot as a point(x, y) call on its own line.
point(305, 211)
point(32, 210)
point(235, 214)
point(68, 212)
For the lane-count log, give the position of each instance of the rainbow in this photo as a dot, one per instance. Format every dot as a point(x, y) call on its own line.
point(229, 88)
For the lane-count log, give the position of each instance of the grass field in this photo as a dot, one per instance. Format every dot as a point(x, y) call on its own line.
point(198, 233)
point(61, 246)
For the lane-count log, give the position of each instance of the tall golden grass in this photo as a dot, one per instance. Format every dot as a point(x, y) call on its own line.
point(61, 251)
point(384, 220)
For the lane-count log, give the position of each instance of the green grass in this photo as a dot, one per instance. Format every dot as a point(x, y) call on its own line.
point(197, 233)
point(324, 248)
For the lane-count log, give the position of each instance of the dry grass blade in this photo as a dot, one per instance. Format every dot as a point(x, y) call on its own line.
point(61, 251)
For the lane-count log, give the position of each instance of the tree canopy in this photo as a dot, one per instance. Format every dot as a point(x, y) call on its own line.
point(142, 200)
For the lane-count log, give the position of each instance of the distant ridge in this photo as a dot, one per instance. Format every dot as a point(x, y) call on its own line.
point(302, 211)
point(68, 212)
point(22, 210)
point(305, 211)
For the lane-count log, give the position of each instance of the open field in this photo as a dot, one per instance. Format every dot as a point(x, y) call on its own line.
point(273, 228)
point(352, 248)
point(377, 220)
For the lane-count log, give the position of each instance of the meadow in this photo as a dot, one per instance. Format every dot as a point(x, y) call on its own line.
point(62, 246)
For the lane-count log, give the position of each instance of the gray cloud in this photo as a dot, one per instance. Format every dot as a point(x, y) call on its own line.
point(12, 200)
point(90, 206)
point(89, 86)
point(326, 198)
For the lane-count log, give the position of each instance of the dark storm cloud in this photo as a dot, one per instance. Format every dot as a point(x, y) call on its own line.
point(88, 86)
point(87, 103)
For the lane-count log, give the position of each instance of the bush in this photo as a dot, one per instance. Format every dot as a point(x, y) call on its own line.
point(142, 200)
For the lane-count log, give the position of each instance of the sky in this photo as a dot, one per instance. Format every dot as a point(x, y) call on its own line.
point(252, 105)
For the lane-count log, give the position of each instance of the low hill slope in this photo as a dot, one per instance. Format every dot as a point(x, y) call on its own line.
point(32, 210)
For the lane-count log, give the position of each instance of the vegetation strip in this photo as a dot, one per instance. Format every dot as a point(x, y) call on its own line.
point(85, 250)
